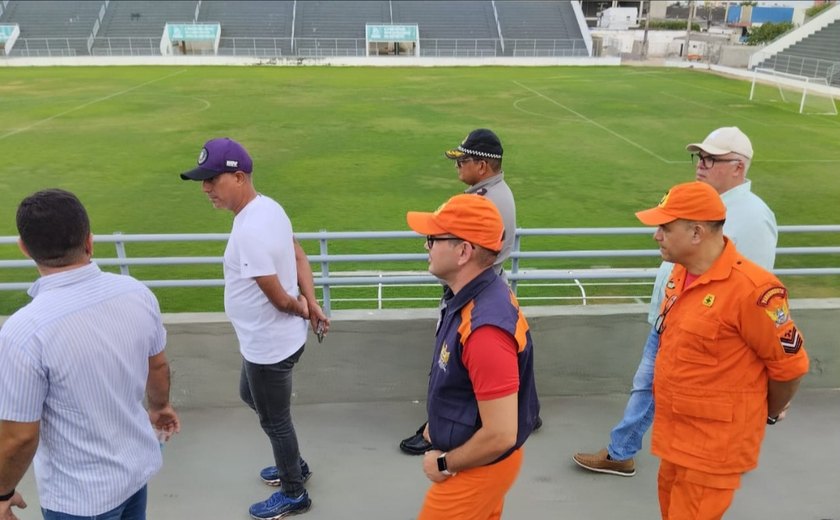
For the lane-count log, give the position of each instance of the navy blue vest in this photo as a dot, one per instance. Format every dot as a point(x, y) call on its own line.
point(452, 406)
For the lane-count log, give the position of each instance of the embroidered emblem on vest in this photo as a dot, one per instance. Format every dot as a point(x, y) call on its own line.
point(443, 360)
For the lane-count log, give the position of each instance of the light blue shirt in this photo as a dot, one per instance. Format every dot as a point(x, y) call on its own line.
point(76, 359)
point(750, 224)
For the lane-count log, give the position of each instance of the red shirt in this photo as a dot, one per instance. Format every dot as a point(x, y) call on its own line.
point(490, 356)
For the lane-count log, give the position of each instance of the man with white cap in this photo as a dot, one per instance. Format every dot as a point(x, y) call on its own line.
point(721, 161)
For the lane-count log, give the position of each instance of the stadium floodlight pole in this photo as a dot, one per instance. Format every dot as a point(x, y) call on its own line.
point(688, 28)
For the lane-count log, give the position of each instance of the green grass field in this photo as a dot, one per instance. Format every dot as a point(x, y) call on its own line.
point(351, 149)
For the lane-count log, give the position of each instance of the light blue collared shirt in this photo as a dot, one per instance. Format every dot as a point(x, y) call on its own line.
point(76, 359)
point(750, 224)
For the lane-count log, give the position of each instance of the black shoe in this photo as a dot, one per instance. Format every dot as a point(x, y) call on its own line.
point(416, 444)
point(538, 424)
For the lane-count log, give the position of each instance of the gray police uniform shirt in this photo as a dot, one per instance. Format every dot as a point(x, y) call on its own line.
point(496, 189)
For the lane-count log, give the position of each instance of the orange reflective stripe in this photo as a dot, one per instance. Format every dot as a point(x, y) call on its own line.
point(465, 329)
point(521, 325)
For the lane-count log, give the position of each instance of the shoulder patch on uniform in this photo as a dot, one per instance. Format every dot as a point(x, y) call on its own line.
point(481, 191)
point(769, 294)
point(779, 313)
point(791, 340)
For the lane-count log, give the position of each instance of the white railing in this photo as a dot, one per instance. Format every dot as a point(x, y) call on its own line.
point(271, 47)
point(546, 47)
point(802, 66)
point(48, 46)
point(378, 278)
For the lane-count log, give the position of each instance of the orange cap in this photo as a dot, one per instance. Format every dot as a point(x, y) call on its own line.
point(689, 201)
point(470, 217)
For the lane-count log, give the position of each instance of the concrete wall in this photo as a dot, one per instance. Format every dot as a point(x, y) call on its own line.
point(735, 55)
point(374, 356)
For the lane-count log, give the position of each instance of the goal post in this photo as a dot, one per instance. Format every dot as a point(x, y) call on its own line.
point(804, 94)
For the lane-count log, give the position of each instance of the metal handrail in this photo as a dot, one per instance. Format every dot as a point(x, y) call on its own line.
point(326, 279)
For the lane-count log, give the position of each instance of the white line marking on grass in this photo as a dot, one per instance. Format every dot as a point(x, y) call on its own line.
point(599, 125)
point(83, 105)
point(564, 119)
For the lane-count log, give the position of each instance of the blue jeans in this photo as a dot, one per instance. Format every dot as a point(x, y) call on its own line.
point(132, 509)
point(267, 389)
point(626, 437)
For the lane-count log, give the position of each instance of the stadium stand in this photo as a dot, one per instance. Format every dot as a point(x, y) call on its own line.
point(52, 27)
point(135, 27)
point(301, 28)
point(336, 28)
point(540, 28)
point(252, 28)
point(453, 28)
point(818, 55)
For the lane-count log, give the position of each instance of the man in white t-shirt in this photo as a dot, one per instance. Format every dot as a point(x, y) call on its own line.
point(269, 295)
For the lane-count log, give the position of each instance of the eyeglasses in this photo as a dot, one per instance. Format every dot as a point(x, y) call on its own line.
point(430, 240)
point(708, 161)
point(461, 162)
point(659, 324)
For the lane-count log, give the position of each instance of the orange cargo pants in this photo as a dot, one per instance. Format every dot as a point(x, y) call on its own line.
point(687, 494)
point(473, 494)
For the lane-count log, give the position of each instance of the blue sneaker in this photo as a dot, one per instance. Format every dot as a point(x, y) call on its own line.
point(279, 505)
point(271, 476)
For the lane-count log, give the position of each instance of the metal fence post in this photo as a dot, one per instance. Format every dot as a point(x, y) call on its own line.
point(325, 273)
point(514, 264)
point(120, 247)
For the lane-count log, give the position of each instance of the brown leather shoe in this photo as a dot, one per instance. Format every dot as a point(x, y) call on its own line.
point(602, 463)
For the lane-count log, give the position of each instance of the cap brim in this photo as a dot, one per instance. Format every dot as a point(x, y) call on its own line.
point(454, 154)
point(423, 223)
point(712, 150)
point(199, 174)
point(655, 217)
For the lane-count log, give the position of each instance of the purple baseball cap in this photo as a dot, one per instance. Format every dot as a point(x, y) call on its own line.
point(222, 155)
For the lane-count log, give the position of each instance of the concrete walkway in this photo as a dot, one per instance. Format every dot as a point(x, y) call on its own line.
point(211, 468)
point(356, 397)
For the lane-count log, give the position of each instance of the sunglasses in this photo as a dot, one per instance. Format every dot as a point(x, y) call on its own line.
point(430, 240)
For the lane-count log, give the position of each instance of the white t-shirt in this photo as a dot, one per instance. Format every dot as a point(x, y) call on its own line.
point(261, 244)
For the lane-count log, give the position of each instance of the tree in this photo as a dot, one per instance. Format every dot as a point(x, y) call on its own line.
point(768, 31)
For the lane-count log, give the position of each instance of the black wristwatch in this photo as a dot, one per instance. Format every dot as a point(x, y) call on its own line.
point(772, 420)
point(8, 496)
point(441, 461)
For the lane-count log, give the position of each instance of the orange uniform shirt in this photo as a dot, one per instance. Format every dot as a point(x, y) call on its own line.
point(725, 335)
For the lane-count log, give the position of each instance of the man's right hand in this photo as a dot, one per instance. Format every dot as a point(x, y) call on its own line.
point(165, 421)
point(6, 507)
point(304, 306)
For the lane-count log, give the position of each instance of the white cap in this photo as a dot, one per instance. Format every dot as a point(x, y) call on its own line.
point(729, 139)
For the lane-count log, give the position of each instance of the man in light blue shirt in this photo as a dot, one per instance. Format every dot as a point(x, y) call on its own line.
point(722, 161)
point(75, 366)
